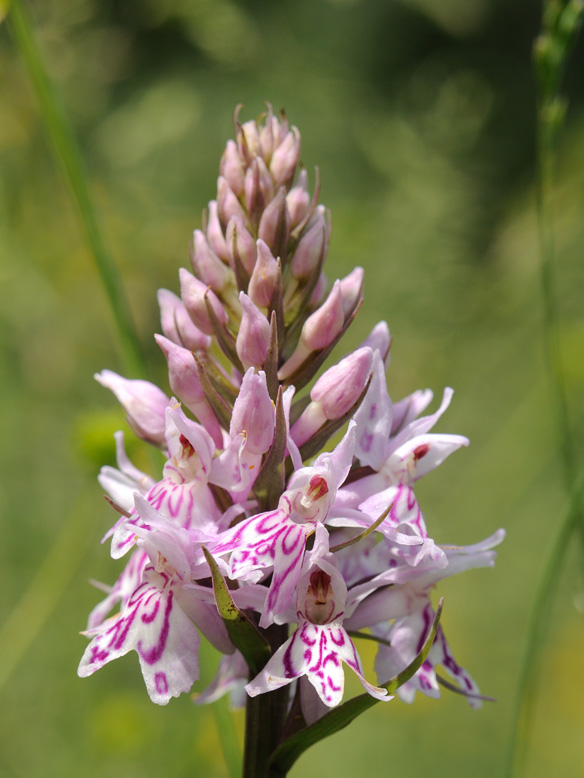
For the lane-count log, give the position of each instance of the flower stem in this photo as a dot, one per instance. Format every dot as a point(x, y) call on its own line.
point(69, 157)
point(264, 720)
point(561, 23)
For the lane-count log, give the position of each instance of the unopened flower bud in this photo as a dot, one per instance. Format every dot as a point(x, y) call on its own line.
point(194, 294)
point(264, 277)
point(215, 233)
point(339, 388)
point(185, 383)
point(275, 224)
point(227, 203)
point(259, 187)
point(241, 246)
point(252, 137)
point(143, 402)
point(177, 325)
point(207, 265)
point(319, 330)
point(352, 289)
point(271, 134)
point(318, 293)
point(253, 413)
point(310, 252)
point(334, 394)
point(285, 158)
point(298, 199)
point(253, 337)
point(231, 168)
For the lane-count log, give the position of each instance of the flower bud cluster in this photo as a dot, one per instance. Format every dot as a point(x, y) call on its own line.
point(324, 540)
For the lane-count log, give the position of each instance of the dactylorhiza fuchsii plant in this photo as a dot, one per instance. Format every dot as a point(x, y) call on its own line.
point(285, 525)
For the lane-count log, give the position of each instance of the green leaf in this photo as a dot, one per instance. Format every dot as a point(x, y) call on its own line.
point(284, 757)
point(245, 636)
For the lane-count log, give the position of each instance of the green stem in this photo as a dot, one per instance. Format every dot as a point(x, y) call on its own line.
point(69, 157)
point(536, 634)
point(547, 143)
point(561, 22)
point(265, 716)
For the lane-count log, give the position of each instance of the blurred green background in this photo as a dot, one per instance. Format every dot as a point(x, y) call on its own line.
point(420, 115)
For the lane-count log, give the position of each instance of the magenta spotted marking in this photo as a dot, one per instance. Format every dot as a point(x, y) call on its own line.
point(161, 683)
point(366, 441)
point(98, 655)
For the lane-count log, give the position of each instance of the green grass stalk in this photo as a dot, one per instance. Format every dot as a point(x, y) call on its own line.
point(561, 23)
point(69, 157)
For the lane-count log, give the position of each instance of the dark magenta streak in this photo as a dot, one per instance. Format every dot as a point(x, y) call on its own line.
point(289, 671)
point(148, 618)
point(424, 633)
point(153, 654)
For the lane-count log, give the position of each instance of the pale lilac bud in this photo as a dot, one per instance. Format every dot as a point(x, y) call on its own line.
point(334, 394)
point(310, 252)
point(259, 187)
point(227, 203)
point(207, 265)
point(183, 373)
point(215, 233)
point(379, 339)
point(194, 294)
point(143, 402)
point(352, 289)
point(319, 292)
point(253, 413)
point(323, 326)
point(264, 277)
point(339, 388)
point(285, 158)
point(252, 138)
point(177, 325)
point(184, 380)
point(240, 244)
point(253, 337)
point(269, 134)
point(231, 168)
point(298, 199)
point(275, 224)
point(319, 331)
